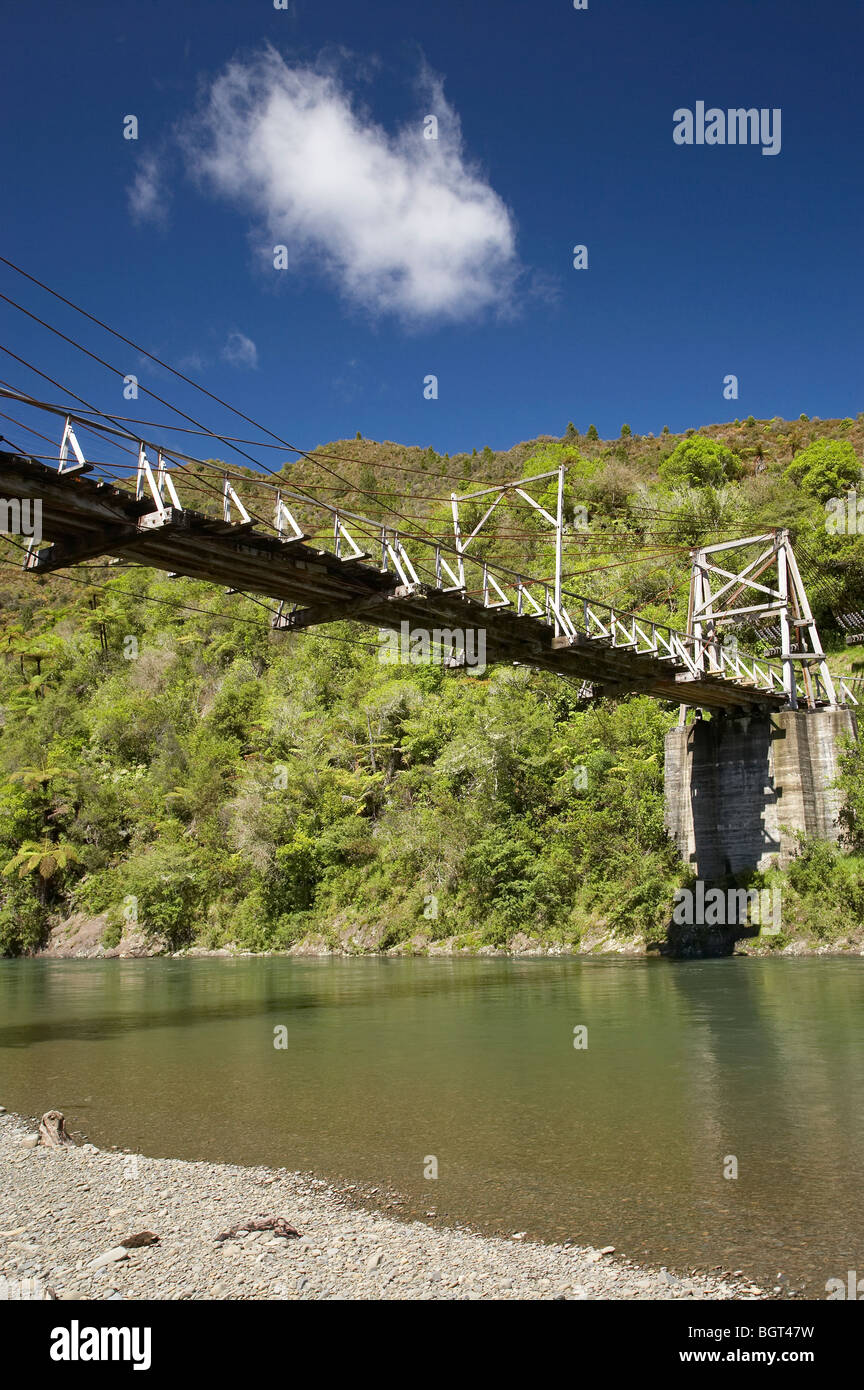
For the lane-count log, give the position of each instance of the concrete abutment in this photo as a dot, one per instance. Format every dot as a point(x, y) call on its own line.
point(739, 789)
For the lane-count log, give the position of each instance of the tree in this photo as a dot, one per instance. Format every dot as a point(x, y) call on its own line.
point(41, 774)
point(851, 784)
point(700, 462)
point(626, 432)
point(368, 486)
point(826, 468)
point(45, 858)
point(572, 432)
point(592, 432)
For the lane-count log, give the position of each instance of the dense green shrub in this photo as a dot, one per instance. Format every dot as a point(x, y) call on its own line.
point(826, 468)
point(700, 462)
point(242, 785)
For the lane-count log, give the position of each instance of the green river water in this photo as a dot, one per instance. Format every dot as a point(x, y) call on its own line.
point(389, 1062)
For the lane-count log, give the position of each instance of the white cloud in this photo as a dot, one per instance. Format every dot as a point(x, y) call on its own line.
point(147, 200)
point(192, 362)
point(240, 351)
point(401, 223)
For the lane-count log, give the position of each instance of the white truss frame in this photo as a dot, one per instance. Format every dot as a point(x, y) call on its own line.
point(70, 438)
point(158, 482)
point(393, 552)
point(340, 534)
point(229, 495)
point(499, 493)
point(284, 517)
point(710, 609)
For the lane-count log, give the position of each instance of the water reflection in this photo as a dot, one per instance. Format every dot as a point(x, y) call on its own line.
point(473, 1061)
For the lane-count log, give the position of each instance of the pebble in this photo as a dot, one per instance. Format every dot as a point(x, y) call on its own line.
point(110, 1257)
point(55, 1216)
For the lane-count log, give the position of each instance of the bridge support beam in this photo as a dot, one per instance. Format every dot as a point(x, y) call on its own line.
point(740, 788)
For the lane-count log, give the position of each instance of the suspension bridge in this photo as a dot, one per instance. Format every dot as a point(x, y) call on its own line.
point(739, 789)
point(740, 786)
point(374, 574)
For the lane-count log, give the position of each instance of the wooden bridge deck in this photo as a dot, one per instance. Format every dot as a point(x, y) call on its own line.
point(83, 517)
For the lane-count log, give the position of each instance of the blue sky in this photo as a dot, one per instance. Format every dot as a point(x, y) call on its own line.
point(409, 257)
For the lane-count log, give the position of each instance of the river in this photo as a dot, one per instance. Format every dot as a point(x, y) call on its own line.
point(389, 1064)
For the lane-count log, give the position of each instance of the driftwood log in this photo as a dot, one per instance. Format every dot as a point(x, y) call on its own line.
point(277, 1224)
point(52, 1130)
point(141, 1238)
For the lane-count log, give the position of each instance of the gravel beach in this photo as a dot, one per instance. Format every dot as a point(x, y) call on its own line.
point(65, 1213)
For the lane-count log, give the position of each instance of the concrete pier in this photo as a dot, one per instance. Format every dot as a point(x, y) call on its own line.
point(739, 789)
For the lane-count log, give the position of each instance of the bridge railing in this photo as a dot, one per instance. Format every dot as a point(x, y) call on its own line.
point(431, 561)
point(625, 630)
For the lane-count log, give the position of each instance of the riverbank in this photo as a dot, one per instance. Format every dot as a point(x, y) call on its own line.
point(81, 937)
point(64, 1214)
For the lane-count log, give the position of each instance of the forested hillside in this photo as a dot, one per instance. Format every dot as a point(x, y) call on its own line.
point(223, 783)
